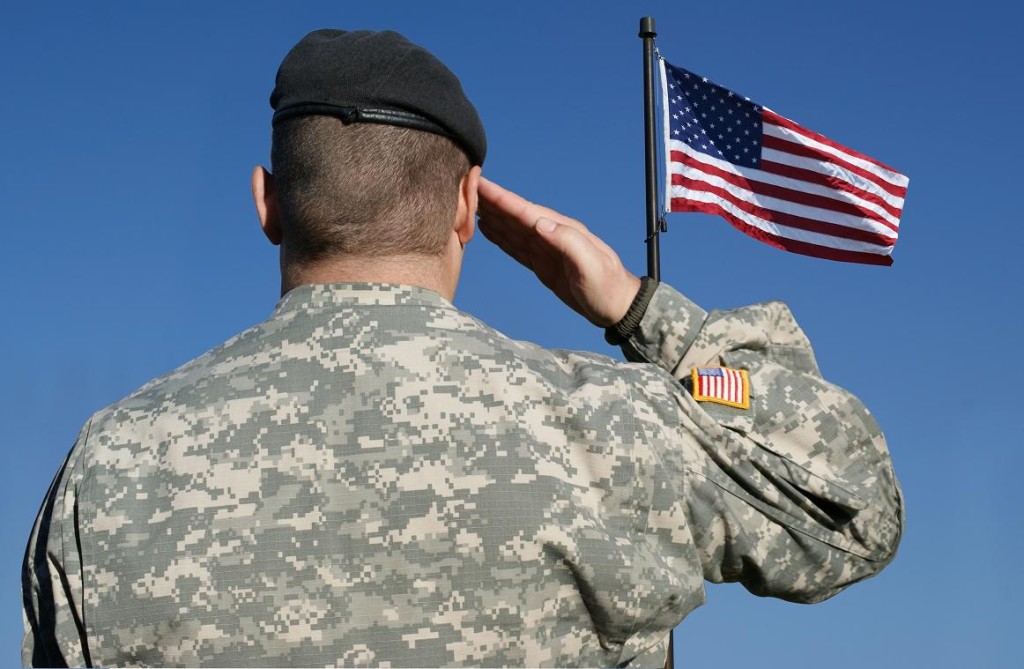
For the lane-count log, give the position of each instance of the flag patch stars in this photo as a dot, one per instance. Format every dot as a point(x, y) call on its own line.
point(722, 385)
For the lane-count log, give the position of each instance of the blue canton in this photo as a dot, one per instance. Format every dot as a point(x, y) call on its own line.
point(712, 119)
point(710, 371)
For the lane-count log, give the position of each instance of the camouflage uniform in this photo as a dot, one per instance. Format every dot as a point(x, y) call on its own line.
point(373, 477)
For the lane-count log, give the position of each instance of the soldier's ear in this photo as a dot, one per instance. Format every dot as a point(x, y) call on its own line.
point(264, 194)
point(465, 214)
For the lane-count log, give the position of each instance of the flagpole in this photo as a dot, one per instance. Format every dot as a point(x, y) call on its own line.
point(648, 34)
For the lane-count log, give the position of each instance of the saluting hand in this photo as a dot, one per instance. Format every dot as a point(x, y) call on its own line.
point(577, 266)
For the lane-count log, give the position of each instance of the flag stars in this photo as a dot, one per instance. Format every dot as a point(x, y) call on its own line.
point(711, 119)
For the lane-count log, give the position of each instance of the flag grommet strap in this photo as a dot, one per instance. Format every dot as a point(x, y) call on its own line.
point(721, 385)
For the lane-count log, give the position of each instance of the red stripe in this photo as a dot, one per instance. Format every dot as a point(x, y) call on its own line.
point(785, 146)
point(835, 183)
point(793, 246)
point(773, 191)
point(785, 218)
point(768, 116)
point(781, 192)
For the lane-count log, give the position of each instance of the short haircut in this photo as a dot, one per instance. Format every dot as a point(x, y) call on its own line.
point(364, 189)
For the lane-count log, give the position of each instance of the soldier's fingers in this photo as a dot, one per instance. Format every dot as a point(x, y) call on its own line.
point(512, 244)
point(503, 206)
point(573, 249)
point(504, 233)
point(497, 202)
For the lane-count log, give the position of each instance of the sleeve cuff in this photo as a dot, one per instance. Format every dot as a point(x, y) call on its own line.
point(666, 331)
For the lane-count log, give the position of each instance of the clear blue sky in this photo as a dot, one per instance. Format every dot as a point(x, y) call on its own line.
point(130, 245)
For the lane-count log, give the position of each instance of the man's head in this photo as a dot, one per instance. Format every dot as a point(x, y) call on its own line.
point(375, 154)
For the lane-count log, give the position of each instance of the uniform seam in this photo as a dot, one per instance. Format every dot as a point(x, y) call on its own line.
point(638, 428)
point(634, 429)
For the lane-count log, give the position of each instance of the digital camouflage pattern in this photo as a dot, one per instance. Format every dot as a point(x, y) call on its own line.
point(371, 477)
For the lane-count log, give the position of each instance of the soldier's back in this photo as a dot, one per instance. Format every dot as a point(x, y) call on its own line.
point(368, 477)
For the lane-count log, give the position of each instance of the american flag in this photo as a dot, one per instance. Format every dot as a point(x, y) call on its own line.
point(772, 178)
point(722, 385)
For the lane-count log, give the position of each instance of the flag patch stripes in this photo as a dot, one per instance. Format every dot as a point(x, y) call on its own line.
point(722, 385)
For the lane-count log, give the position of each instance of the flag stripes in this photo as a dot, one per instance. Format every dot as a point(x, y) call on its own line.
point(773, 179)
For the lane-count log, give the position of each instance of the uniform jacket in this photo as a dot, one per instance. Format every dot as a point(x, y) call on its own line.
point(371, 476)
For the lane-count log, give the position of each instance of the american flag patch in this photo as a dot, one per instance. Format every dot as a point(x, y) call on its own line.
point(722, 385)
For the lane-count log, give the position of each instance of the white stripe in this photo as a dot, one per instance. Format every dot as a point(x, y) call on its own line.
point(664, 133)
point(781, 230)
point(753, 174)
point(895, 178)
point(784, 206)
point(832, 170)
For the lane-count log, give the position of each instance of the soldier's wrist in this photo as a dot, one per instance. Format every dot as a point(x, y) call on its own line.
point(619, 332)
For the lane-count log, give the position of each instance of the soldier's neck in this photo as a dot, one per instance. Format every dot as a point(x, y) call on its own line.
point(429, 272)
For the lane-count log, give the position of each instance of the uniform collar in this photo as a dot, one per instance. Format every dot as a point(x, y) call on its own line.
point(320, 295)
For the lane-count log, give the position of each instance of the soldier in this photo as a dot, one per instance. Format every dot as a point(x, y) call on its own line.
point(373, 477)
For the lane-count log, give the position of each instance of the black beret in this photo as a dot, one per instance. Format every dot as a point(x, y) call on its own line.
point(376, 77)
